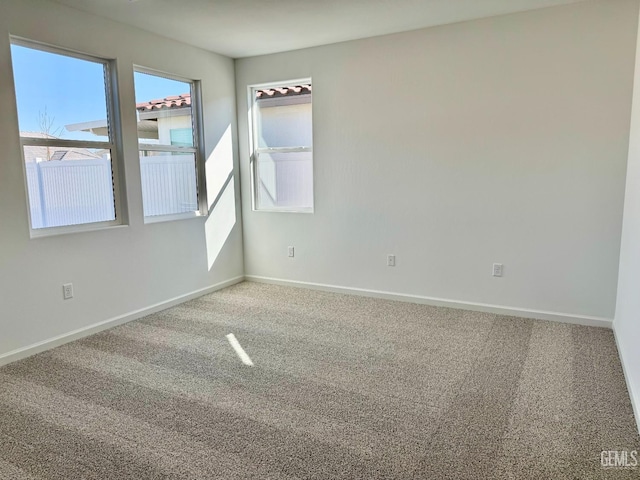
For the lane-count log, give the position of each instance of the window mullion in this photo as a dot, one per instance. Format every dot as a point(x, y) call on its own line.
point(166, 148)
point(44, 142)
point(283, 149)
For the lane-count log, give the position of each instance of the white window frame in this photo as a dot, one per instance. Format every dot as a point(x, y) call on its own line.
point(114, 144)
point(197, 149)
point(254, 150)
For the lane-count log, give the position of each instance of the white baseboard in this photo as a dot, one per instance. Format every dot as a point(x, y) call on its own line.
point(633, 396)
point(443, 302)
point(29, 350)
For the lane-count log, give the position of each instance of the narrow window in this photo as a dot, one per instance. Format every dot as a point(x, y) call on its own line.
point(282, 147)
point(168, 142)
point(70, 164)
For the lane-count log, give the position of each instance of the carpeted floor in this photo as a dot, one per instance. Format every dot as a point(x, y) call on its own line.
point(341, 387)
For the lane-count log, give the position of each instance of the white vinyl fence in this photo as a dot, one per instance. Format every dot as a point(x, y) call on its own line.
point(70, 192)
point(81, 191)
point(285, 180)
point(168, 184)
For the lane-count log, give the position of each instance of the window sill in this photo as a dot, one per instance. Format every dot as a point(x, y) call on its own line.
point(172, 217)
point(284, 210)
point(71, 229)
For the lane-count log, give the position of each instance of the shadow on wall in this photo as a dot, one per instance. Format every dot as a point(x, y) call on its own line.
point(221, 194)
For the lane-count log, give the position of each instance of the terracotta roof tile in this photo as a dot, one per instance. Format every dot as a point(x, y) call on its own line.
point(184, 100)
point(174, 101)
point(284, 91)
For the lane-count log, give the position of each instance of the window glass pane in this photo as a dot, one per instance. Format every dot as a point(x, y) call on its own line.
point(164, 110)
point(73, 187)
point(168, 183)
point(165, 119)
point(283, 175)
point(284, 122)
point(59, 96)
point(285, 180)
point(62, 101)
point(181, 137)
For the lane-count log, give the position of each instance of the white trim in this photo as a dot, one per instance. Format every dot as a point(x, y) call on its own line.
point(252, 103)
point(444, 302)
point(285, 210)
point(284, 83)
point(160, 73)
point(80, 228)
point(58, 142)
point(38, 347)
point(170, 217)
point(197, 132)
point(635, 399)
point(283, 149)
point(146, 147)
point(114, 143)
point(56, 50)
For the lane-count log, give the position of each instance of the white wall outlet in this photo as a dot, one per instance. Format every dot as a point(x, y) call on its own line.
point(291, 251)
point(497, 270)
point(67, 291)
point(391, 260)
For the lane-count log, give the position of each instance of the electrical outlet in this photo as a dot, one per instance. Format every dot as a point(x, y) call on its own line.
point(291, 251)
point(67, 291)
point(497, 270)
point(391, 260)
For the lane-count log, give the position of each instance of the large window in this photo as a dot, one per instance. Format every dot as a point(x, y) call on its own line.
point(282, 147)
point(171, 171)
point(70, 173)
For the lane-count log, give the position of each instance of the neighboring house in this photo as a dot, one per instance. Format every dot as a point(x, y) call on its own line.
point(282, 120)
point(43, 154)
point(284, 116)
point(165, 121)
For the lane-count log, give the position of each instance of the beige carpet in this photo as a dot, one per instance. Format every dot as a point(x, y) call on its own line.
point(341, 387)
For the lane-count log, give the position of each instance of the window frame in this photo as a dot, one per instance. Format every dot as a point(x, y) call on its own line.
point(254, 150)
point(197, 149)
point(114, 143)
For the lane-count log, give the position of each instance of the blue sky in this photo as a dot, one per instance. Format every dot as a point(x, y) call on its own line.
point(149, 87)
point(72, 90)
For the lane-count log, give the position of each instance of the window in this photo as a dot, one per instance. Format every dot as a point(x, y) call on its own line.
point(70, 172)
point(167, 110)
point(282, 153)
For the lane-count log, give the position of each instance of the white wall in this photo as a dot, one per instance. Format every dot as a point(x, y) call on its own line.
point(497, 140)
point(124, 269)
point(627, 319)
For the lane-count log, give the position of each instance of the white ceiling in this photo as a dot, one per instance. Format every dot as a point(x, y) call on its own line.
point(242, 28)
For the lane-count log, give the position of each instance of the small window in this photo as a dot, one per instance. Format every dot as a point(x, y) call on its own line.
point(70, 170)
point(168, 143)
point(282, 147)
